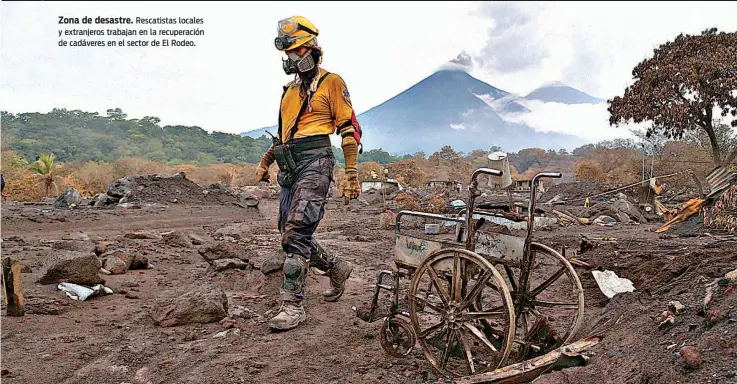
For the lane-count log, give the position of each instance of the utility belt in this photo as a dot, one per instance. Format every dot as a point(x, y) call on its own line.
point(294, 156)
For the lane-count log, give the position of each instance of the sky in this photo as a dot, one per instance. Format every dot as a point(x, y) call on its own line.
point(232, 80)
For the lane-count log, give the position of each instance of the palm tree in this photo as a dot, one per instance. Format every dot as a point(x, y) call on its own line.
point(46, 170)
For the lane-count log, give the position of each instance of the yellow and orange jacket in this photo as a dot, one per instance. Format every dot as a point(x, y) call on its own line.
point(329, 111)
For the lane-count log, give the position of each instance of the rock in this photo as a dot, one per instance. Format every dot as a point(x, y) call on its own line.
point(623, 218)
point(71, 267)
point(676, 307)
point(103, 200)
point(242, 312)
point(623, 206)
point(119, 188)
point(222, 250)
point(70, 197)
point(130, 283)
point(203, 304)
point(143, 235)
point(177, 239)
point(223, 264)
point(179, 175)
point(117, 263)
point(273, 263)
point(46, 356)
point(604, 220)
point(248, 199)
point(139, 261)
point(691, 357)
point(74, 245)
point(198, 239)
point(101, 247)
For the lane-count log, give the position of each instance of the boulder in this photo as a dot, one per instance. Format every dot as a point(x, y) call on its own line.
point(177, 239)
point(117, 261)
point(273, 263)
point(74, 245)
point(139, 261)
point(248, 199)
point(198, 239)
point(201, 305)
point(64, 266)
point(120, 188)
point(68, 198)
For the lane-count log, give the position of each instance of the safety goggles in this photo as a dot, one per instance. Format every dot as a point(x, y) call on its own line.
point(289, 26)
point(286, 28)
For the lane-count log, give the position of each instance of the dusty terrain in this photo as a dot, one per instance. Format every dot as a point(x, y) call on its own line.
point(113, 339)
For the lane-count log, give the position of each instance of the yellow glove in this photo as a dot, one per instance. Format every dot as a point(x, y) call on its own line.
point(262, 170)
point(349, 188)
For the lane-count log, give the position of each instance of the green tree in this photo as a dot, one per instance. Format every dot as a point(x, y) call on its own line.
point(46, 168)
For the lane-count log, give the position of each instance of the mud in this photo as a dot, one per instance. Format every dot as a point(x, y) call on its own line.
point(113, 339)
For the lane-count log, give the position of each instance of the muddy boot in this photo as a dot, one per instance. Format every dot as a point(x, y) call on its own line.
point(339, 273)
point(289, 316)
point(291, 312)
point(338, 270)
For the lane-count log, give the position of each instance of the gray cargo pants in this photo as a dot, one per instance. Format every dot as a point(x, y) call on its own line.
point(301, 208)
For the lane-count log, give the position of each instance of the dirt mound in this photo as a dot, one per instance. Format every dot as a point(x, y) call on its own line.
point(176, 189)
point(637, 348)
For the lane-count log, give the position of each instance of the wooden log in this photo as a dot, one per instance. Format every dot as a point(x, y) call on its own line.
point(526, 371)
point(12, 287)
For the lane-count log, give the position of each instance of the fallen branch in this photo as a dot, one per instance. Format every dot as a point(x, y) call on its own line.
point(523, 372)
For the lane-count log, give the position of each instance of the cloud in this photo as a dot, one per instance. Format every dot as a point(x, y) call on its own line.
point(590, 46)
point(588, 121)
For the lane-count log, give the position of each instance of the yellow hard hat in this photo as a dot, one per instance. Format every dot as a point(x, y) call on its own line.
point(295, 32)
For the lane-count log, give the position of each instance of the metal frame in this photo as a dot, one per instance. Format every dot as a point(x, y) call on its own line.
point(465, 241)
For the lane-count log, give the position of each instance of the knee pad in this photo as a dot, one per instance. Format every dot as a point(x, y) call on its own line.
point(295, 272)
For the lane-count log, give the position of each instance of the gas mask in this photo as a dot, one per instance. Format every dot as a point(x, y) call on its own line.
point(300, 64)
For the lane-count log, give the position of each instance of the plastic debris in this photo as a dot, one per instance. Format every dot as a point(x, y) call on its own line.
point(610, 284)
point(82, 293)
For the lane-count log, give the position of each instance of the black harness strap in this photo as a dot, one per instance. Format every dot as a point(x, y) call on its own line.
point(293, 131)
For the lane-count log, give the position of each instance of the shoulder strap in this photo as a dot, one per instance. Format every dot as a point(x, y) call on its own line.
point(293, 131)
point(282, 99)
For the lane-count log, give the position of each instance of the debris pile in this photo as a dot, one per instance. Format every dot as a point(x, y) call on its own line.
point(724, 213)
point(177, 189)
point(576, 190)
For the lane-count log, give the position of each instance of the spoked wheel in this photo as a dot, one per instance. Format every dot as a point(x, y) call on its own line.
point(449, 328)
point(552, 309)
point(397, 337)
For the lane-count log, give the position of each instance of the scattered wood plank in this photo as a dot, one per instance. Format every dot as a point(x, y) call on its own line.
point(12, 287)
point(524, 372)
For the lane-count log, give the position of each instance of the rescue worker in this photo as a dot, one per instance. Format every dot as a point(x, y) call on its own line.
point(315, 105)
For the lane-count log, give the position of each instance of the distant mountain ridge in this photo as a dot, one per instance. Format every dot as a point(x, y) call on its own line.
point(452, 107)
point(558, 92)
